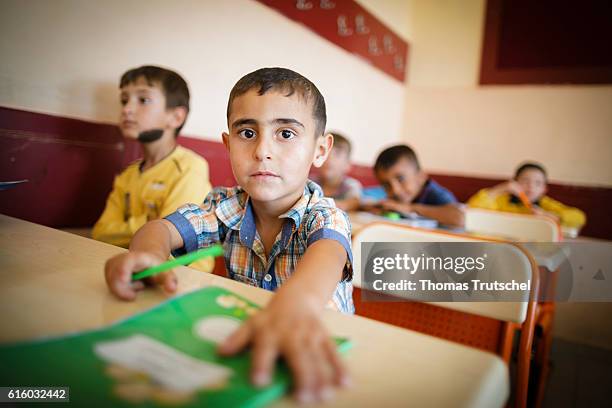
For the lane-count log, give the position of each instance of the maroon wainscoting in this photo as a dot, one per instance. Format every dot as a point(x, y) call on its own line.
point(365, 174)
point(71, 165)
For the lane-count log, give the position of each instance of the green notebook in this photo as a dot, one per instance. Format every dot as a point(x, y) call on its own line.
point(164, 356)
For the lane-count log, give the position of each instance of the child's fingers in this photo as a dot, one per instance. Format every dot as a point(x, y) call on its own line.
point(303, 367)
point(167, 281)
point(265, 352)
point(236, 341)
point(123, 290)
point(124, 287)
point(118, 275)
point(340, 374)
point(138, 285)
point(321, 373)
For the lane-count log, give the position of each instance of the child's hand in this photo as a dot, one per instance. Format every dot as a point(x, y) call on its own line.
point(372, 207)
point(510, 186)
point(293, 330)
point(119, 269)
point(392, 205)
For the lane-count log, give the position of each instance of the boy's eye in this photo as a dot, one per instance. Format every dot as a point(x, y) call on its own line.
point(123, 101)
point(144, 100)
point(287, 134)
point(400, 178)
point(247, 133)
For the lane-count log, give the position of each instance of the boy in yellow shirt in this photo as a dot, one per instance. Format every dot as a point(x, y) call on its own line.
point(529, 181)
point(278, 232)
point(155, 105)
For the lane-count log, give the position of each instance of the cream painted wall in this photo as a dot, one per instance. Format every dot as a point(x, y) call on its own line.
point(489, 130)
point(394, 13)
point(446, 42)
point(65, 57)
point(459, 127)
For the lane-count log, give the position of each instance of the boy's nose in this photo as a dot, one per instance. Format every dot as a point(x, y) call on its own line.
point(128, 107)
point(394, 186)
point(263, 150)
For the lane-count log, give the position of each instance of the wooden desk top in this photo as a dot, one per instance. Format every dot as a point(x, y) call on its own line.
point(51, 283)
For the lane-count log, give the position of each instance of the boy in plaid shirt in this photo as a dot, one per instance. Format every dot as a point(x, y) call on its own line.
point(274, 226)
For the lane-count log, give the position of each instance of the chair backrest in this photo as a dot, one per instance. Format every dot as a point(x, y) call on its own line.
point(520, 227)
point(513, 263)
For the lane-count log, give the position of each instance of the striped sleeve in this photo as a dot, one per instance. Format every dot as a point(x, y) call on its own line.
point(331, 223)
point(197, 225)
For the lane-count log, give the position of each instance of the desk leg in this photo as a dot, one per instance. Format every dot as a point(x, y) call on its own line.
point(544, 336)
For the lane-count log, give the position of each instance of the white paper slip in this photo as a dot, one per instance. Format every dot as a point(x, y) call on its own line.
point(216, 328)
point(169, 367)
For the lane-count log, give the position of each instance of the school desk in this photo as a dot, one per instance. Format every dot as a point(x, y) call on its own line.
point(549, 257)
point(545, 255)
point(51, 283)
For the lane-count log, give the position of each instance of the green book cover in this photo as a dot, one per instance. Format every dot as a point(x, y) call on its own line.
point(164, 356)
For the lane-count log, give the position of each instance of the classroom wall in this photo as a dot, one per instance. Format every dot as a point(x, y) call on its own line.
point(394, 13)
point(459, 127)
point(65, 57)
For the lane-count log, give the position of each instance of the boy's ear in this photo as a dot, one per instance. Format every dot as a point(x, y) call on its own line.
point(323, 146)
point(225, 138)
point(422, 176)
point(177, 117)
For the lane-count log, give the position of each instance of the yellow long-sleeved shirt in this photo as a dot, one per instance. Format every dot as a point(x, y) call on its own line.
point(138, 197)
point(570, 217)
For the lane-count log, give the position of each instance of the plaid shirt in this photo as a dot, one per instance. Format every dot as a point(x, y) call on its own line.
point(226, 216)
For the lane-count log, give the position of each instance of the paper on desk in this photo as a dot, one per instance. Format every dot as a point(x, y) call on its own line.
point(410, 219)
point(169, 367)
point(5, 185)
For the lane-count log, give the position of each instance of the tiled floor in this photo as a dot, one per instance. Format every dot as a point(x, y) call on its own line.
point(580, 376)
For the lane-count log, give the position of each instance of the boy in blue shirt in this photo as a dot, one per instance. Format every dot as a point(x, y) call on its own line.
point(410, 190)
point(276, 225)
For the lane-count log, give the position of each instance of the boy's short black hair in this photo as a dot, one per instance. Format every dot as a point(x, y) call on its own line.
point(530, 166)
point(341, 142)
point(172, 84)
point(282, 80)
point(393, 154)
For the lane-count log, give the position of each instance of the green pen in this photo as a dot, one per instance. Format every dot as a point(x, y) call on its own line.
point(213, 251)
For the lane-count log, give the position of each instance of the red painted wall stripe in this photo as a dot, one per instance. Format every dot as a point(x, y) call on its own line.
point(350, 26)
